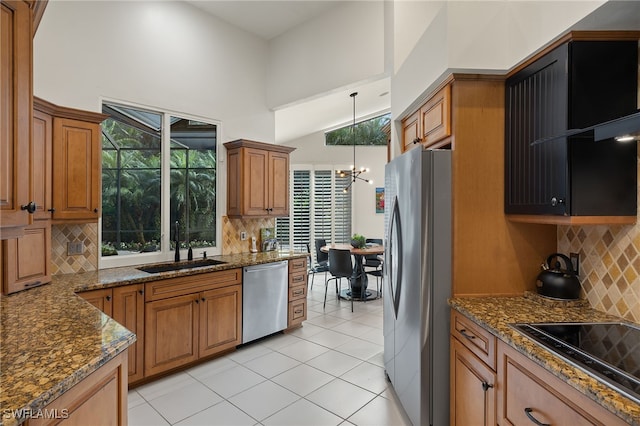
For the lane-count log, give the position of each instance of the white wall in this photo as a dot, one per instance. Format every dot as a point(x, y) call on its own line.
point(342, 46)
point(162, 54)
point(312, 150)
point(484, 36)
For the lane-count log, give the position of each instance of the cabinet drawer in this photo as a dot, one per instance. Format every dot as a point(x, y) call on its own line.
point(298, 278)
point(173, 287)
point(298, 265)
point(530, 392)
point(435, 117)
point(297, 292)
point(297, 312)
point(478, 340)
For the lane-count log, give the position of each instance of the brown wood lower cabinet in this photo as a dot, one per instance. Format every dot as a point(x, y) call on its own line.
point(191, 317)
point(26, 260)
point(297, 292)
point(100, 398)
point(473, 399)
point(101, 299)
point(529, 394)
point(128, 310)
point(501, 386)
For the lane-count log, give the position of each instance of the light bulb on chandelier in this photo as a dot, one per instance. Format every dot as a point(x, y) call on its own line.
point(353, 172)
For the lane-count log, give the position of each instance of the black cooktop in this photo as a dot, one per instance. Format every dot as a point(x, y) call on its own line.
point(608, 351)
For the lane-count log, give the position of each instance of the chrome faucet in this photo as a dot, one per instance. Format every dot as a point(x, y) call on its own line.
point(176, 237)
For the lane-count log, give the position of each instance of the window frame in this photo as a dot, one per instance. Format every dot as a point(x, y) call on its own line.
point(166, 254)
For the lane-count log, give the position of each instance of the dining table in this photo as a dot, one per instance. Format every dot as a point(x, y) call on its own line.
point(359, 280)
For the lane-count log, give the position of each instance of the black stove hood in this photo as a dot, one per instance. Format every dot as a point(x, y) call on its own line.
point(623, 129)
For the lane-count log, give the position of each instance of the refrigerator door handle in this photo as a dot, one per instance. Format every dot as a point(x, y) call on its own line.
point(394, 246)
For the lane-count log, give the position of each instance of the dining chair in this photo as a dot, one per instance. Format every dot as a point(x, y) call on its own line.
point(315, 268)
point(372, 261)
point(322, 258)
point(340, 266)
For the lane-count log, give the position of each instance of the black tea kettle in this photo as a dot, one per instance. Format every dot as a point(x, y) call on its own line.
point(556, 282)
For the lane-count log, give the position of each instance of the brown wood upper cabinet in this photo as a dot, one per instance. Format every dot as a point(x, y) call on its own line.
point(257, 179)
point(70, 163)
point(15, 116)
point(431, 124)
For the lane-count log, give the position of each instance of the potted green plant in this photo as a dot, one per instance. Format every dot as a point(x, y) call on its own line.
point(358, 241)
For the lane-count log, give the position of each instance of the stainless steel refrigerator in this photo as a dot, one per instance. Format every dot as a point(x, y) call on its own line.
point(417, 272)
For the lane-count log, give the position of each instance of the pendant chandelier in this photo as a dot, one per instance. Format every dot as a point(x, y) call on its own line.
point(353, 172)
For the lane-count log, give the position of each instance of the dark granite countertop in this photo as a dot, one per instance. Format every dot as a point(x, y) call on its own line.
point(51, 339)
point(496, 313)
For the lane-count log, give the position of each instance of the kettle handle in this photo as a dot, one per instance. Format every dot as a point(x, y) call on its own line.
point(567, 262)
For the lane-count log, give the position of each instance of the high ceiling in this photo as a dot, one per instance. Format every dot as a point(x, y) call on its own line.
point(268, 19)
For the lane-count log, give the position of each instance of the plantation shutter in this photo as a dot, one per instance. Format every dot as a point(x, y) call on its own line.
point(342, 221)
point(322, 206)
point(302, 209)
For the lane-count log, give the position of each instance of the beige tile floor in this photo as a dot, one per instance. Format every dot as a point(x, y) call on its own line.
point(329, 372)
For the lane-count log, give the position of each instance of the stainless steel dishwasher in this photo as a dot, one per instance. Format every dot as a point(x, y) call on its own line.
point(265, 291)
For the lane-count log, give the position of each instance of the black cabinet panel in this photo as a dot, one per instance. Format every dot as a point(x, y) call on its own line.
point(577, 85)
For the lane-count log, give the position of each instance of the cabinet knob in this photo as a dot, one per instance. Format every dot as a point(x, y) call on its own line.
point(141, 291)
point(486, 386)
point(197, 301)
point(95, 210)
point(30, 208)
point(417, 140)
point(108, 298)
point(555, 201)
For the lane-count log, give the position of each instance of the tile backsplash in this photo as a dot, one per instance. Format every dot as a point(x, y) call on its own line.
point(231, 228)
point(609, 265)
point(61, 235)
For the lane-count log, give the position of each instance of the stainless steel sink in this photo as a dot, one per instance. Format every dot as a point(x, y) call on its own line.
point(176, 266)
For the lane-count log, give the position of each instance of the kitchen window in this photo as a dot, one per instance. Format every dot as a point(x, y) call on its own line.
point(157, 169)
point(320, 208)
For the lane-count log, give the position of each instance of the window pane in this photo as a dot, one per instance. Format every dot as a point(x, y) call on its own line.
point(374, 131)
point(131, 184)
point(193, 182)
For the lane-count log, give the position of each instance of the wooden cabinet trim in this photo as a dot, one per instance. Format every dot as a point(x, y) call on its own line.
point(245, 143)
point(128, 310)
point(572, 220)
point(190, 284)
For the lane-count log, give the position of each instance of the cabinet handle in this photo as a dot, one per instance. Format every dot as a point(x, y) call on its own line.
point(108, 298)
point(95, 210)
point(467, 335)
point(555, 201)
point(141, 291)
point(197, 301)
point(299, 311)
point(33, 284)
point(417, 140)
point(298, 292)
point(203, 299)
point(486, 386)
point(52, 210)
point(30, 208)
point(528, 411)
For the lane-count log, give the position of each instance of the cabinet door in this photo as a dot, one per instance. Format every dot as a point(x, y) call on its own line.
point(536, 108)
point(171, 333)
point(411, 131)
point(41, 164)
point(26, 261)
point(278, 184)
point(76, 175)
point(101, 299)
point(256, 182)
point(435, 117)
point(128, 310)
point(15, 115)
point(220, 319)
point(472, 400)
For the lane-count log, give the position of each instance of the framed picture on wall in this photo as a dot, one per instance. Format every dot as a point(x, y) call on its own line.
point(379, 200)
